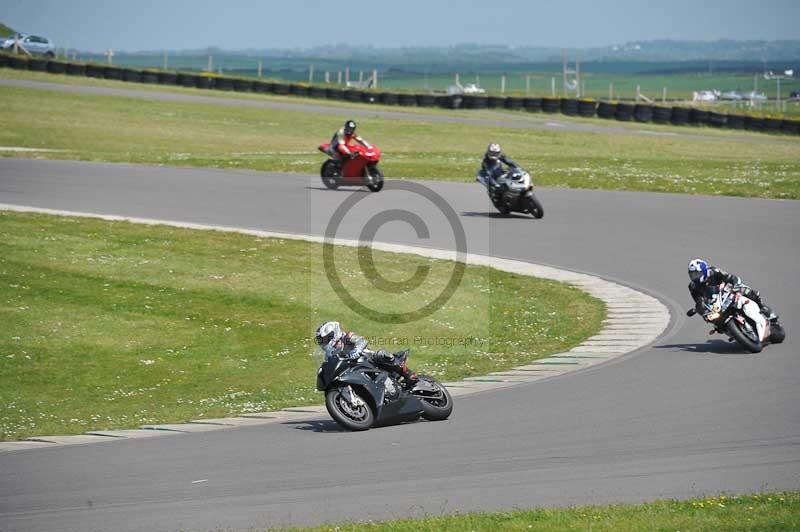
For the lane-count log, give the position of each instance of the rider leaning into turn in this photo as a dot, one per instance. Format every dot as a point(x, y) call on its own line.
point(702, 275)
point(493, 160)
point(351, 345)
point(345, 137)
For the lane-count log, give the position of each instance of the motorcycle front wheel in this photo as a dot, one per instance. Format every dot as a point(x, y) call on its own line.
point(346, 415)
point(751, 344)
point(377, 177)
point(535, 206)
point(436, 406)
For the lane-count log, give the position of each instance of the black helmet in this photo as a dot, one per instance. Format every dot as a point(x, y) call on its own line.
point(349, 127)
point(493, 151)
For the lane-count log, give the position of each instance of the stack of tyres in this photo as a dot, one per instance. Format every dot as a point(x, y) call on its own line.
point(624, 112)
point(223, 84)
point(76, 69)
point(167, 78)
point(426, 100)
point(37, 64)
point(643, 113)
point(242, 85)
point(735, 122)
point(149, 76)
point(772, 125)
point(753, 123)
point(187, 80)
point(334, 94)
point(203, 82)
point(388, 98)
point(407, 99)
point(699, 117)
point(496, 102)
point(474, 101)
point(18, 62)
point(4, 60)
point(717, 119)
point(298, 89)
point(317, 92)
point(533, 104)
point(551, 105)
point(131, 76)
point(515, 103)
point(281, 88)
point(790, 127)
point(587, 108)
point(94, 71)
point(662, 115)
point(569, 106)
point(680, 116)
point(56, 67)
point(352, 95)
point(370, 97)
point(450, 101)
point(111, 72)
point(606, 110)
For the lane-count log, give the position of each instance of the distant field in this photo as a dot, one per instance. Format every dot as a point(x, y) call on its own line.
point(87, 127)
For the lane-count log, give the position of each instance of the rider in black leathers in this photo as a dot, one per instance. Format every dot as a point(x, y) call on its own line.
point(702, 275)
point(492, 164)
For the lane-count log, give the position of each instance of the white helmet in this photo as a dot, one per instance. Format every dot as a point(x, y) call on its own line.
point(328, 333)
point(493, 151)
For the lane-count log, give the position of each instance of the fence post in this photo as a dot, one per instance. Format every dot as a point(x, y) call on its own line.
point(310, 74)
point(339, 78)
point(260, 68)
point(374, 78)
point(663, 95)
point(166, 62)
point(553, 87)
point(527, 84)
point(610, 90)
point(503, 84)
point(327, 77)
point(347, 76)
point(210, 67)
point(109, 55)
point(638, 93)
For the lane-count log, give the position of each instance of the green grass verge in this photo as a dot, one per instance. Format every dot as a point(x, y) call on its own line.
point(87, 127)
point(112, 324)
point(762, 512)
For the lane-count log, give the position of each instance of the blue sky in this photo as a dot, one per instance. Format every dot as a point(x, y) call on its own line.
point(241, 24)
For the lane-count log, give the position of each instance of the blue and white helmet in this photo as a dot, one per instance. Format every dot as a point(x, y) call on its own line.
point(328, 333)
point(698, 270)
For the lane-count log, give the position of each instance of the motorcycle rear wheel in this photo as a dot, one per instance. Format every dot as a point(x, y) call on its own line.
point(330, 174)
point(347, 416)
point(435, 408)
point(734, 329)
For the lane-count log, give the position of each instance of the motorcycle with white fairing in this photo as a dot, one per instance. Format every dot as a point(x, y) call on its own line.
point(512, 191)
point(739, 318)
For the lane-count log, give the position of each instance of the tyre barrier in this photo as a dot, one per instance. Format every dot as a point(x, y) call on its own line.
point(680, 116)
point(699, 117)
point(353, 96)
point(735, 122)
point(496, 102)
point(167, 78)
point(624, 112)
point(474, 101)
point(790, 127)
point(515, 103)
point(369, 97)
point(281, 88)
point(94, 71)
point(334, 94)
point(551, 105)
point(451, 101)
point(606, 110)
point(37, 65)
point(76, 69)
point(717, 119)
point(387, 98)
point(426, 100)
point(149, 77)
point(772, 125)
point(187, 80)
point(753, 123)
point(662, 115)
point(132, 75)
point(569, 106)
point(4, 60)
point(18, 62)
point(643, 113)
point(243, 85)
point(295, 89)
point(587, 108)
point(407, 100)
point(203, 82)
point(56, 67)
point(223, 84)
point(533, 105)
point(314, 92)
point(111, 72)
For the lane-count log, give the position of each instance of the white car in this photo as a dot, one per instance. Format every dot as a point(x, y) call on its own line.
point(32, 43)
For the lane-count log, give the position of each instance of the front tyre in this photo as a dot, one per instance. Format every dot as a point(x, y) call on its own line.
point(377, 177)
point(535, 206)
point(349, 416)
point(438, 405)
point(745, 340)
point(777, 333)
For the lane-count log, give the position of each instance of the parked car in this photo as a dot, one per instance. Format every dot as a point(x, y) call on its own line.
point(795, 95)
point(731, 95)
point(753, 95)
point(704, 96)
point(32, 43)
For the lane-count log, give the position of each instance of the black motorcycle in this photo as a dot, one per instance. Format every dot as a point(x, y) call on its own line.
point(512, 191)
point(734, 315)
point(359, 394)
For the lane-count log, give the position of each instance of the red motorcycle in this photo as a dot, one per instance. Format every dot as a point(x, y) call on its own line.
point(360, 170)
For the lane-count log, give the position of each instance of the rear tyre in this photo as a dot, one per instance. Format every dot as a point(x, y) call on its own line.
point(377, 177)
point(535, 206)
point(438, 406)
point(346, 415)
point(751, 344)
point(330, 173)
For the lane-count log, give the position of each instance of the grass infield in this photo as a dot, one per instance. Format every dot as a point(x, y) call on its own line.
point(115, 325)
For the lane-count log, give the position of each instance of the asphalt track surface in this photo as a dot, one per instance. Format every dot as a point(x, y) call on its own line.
point(487, 118)
point(687, 416)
